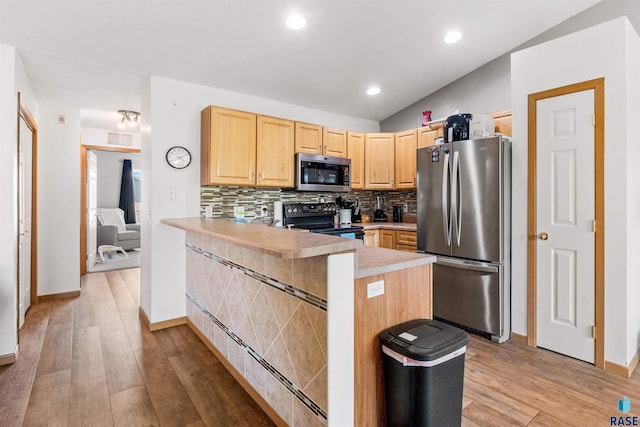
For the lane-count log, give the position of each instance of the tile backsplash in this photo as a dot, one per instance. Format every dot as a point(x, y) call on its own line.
point(222, 199)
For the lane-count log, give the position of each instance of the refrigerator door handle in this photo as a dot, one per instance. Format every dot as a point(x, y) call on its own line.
point(456, 197)
point(446, 221)
point(469, 265)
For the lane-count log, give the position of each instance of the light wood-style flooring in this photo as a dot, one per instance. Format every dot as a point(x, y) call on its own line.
point(89, 361)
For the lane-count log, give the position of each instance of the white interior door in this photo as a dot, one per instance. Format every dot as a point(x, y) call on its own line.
point(25, 147)
point(565, 215)
point(92, 206)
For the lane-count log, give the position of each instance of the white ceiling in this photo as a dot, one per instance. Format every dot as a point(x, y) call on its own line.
point(96, 54)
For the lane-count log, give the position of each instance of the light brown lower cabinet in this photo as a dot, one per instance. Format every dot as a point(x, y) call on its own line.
point(406, 241)
point(387, 239)
point(402, 240)
point(371, 238)
point(407, 296)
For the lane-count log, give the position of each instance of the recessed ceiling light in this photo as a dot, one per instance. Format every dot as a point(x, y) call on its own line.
point(373, 90)
point(452, 37)
point(296, 22)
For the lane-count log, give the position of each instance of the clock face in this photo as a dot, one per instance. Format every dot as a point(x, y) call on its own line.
point(178, 157)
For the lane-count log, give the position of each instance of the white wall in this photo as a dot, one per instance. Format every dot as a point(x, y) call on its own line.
point(633, 190)
point(173, 108)
point(592, 53)
point(13, 79)
point(110, 175)
point(58, 199)
point(487, 88)
point(8, 194)
point(94, 136)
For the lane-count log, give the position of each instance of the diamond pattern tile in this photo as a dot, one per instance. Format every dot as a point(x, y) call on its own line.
point(264, 320)
point(305, 350)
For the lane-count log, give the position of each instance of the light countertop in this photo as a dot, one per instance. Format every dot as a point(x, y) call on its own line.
point(371, 260)
point(280, 242)
point(286, 243)
point(404, 226)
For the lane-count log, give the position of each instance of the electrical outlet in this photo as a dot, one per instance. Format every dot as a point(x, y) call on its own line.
point(171, 193)
point(405, 208)
point(375, 289)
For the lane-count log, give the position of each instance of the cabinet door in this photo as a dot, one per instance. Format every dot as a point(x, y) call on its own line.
point(355, 151)
point(275, 156)
point(308, 138)
point(405, 170)
point(379, 161)
point(427, 136)
point(334, 142)
point(387, 239)
point(371, 238)
point(228, 144)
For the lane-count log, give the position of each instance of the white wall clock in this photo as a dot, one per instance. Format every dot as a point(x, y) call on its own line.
point(178, 157)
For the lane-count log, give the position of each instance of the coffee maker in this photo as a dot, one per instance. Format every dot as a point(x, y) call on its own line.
point(397, 213)
point(379, 214)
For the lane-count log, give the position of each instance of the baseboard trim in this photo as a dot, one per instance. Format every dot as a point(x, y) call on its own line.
point(160, 325)
point(624, 371)
point(271, 413)
point(10, 358)
point(522, 339)
point(61, 295)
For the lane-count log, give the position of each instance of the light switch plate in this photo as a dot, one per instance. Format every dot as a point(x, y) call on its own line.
point(375, 289)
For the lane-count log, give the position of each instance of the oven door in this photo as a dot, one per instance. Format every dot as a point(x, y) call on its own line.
point(349, 233)
point(322, 173)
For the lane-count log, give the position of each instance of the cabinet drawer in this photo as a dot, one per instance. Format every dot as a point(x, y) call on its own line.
point(406, 248)
point(408, 238)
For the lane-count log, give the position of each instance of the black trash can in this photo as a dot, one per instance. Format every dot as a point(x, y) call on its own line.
point(423, 363)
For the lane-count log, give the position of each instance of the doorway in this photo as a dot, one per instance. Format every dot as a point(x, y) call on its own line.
point(87, 216)
point(566, 221)
point(27, 211)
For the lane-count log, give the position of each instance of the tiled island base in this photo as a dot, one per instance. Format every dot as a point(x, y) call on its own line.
point(267, 316)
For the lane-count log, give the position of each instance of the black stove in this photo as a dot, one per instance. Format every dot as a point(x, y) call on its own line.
point(318, 218)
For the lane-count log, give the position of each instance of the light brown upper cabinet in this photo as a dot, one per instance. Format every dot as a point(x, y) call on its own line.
point(428, 134)
point(502, 121)
point(275, 166)
point(228, 147)
point(379, 161)
point(308, 138)
point(355, 151)
point(334, 142)
point(406, 145)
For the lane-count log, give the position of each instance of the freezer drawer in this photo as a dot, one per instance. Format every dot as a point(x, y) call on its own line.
point(470, 294)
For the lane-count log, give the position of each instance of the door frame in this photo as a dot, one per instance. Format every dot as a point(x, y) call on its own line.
point(597, 85)
point(25, 113)
point(83, 195)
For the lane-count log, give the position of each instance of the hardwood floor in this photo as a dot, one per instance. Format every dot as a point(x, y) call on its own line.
point(88, 361)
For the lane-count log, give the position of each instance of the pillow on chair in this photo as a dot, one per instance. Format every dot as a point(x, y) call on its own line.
point(112, 216)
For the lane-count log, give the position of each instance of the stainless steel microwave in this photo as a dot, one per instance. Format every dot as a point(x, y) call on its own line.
point(322, 173)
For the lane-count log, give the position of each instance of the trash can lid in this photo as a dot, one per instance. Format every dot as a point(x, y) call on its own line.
point(424, 339)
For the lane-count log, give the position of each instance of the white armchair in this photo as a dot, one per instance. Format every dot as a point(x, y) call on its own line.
point(112, 229)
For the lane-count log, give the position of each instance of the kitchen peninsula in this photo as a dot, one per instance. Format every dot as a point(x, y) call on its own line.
point(295, 316)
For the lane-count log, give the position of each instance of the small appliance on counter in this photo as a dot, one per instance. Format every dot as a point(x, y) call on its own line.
point(379, 215)
point(397, 213)
point(456, 127)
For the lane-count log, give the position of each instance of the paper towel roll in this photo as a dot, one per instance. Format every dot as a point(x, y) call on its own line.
point(277, 213)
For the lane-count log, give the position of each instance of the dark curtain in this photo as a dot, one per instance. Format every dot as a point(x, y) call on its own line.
point(127, 203)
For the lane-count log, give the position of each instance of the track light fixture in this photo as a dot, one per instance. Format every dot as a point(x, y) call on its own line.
point(129, 118)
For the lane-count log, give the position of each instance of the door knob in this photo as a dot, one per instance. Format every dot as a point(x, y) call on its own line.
point(543, 236)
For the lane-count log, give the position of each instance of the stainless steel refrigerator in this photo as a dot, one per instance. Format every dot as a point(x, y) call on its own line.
point(464, 217)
